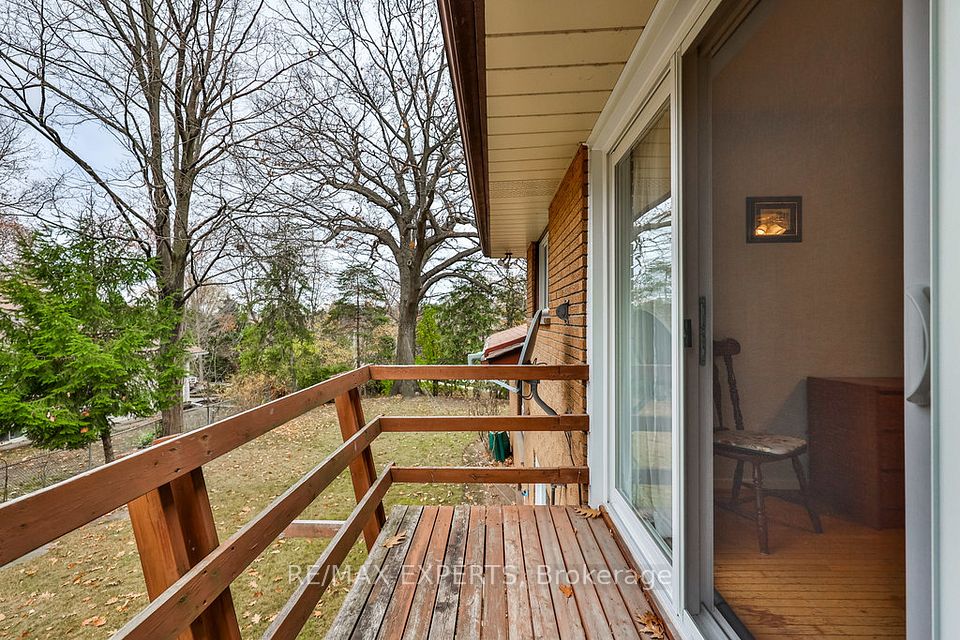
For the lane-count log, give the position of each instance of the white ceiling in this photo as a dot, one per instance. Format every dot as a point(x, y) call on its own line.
point(550, 66)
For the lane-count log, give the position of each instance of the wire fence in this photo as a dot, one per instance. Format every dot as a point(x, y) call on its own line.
point(39, 471)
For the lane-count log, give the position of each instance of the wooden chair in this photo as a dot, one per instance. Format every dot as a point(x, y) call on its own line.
point(755, 448)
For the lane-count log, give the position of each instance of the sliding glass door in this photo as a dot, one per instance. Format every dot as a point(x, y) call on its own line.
point(644, 290)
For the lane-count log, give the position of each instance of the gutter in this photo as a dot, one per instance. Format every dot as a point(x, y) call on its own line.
point(464, 39)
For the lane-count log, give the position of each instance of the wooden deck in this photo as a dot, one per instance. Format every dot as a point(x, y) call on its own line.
point(188, 571)
point(493, 572)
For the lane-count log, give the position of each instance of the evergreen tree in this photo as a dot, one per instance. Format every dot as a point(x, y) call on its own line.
point(279, 327)
point(456, 325)
point(361, 308)
point(477, 305)
point(79, 336)
point(510, 291)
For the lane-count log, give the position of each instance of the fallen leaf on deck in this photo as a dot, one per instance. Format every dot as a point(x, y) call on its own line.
point(566, 590)
point(587, 512)
point(393, 541)
point(652, 627)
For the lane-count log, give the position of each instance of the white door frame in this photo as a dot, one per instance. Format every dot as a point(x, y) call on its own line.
point(649, 78)
point(661, 565)
point(917, 273)
point(944, 32)
point(670, 32)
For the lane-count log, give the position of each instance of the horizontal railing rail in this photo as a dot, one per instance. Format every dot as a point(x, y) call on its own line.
point(575, 422)
point(484, 372)
point(492, 475)
point(189, 573)
point(31, 521)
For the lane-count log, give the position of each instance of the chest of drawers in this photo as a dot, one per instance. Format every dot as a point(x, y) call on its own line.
point(856, 447)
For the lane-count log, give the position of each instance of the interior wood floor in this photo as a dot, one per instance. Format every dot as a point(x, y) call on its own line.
point(846, 582)
point(476, 572)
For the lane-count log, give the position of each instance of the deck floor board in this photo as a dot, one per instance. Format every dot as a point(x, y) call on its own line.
point(343, 626)
point(492, 572)
point(471, 587)
point(370, 618)
point(444, 620)
point(494, 586)
point(518, 598)
point(401, 599)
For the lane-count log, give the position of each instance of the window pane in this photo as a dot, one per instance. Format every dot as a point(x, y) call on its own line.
point(645, 390)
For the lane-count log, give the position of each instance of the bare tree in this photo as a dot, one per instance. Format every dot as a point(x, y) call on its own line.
point(377, 160)
point(20, 194)
point(168, 89)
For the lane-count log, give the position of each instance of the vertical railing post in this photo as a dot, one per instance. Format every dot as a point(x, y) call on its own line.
point(174, 529)
point(362, 470)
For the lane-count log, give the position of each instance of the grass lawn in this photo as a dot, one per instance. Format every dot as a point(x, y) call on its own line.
point(89, 583)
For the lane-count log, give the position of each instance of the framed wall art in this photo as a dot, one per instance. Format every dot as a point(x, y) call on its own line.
point(775, 219)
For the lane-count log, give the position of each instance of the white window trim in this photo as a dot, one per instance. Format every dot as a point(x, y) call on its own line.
point(648, 550)
point(543, 272)
point(672, 28)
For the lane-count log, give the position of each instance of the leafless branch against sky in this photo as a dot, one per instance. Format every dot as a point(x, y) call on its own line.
point(368, 143)
point(193, 129)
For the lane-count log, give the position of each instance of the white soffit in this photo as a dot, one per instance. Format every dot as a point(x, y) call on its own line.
point(550, 67)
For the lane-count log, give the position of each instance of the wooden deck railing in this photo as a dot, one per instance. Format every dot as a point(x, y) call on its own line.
point(188, 572)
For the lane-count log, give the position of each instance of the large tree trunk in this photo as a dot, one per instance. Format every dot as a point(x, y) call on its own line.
point(106, 439)
point(171, 418)
point(407, 330)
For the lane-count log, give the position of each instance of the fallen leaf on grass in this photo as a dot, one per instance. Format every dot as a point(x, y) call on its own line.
point(393, 541)
point(95, 621)
point(587, 512)
point(566, 590)
point(652, 627)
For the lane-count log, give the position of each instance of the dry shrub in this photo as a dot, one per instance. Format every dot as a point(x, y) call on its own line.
point(248, 390)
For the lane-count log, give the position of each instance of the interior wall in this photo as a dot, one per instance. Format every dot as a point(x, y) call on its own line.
point(807, 100)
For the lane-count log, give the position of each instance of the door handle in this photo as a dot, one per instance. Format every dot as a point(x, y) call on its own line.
point(917, 389)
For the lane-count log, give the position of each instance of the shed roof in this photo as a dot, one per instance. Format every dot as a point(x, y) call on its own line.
point(503, 342)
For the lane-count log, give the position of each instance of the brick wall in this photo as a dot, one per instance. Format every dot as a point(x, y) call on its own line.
point(560, 343)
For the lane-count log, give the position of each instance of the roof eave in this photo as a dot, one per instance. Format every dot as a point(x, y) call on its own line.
point(464, 37)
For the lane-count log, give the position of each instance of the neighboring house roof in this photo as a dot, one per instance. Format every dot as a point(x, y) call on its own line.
point(530, 79)
point(504, 342)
